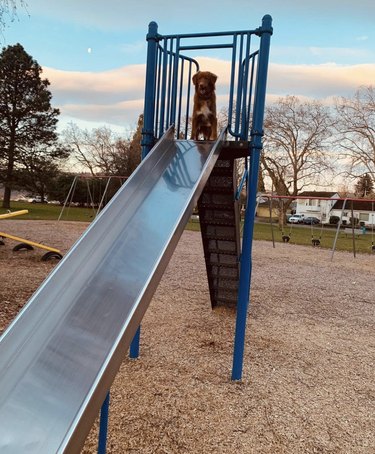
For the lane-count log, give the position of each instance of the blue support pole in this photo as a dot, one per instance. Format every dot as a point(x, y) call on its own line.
point(265, 32)
point(103, 426)
point(148, 135)
point(134, 346)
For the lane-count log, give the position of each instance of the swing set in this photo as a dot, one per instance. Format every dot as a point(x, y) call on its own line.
point(317, 238)
point(96, 197)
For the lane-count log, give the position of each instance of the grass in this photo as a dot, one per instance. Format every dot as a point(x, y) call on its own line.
point(262, 231)
point(46, 211)
point(302, 235)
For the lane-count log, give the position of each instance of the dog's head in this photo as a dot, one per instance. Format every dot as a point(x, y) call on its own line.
point(204, 82)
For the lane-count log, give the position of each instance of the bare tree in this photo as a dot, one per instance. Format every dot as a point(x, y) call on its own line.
point(92, 150)
point(101, 151)
point(356, 132)
point(8, 12)
point(296, 141)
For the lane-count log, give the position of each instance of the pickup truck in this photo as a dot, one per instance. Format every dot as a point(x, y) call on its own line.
point(296, 219)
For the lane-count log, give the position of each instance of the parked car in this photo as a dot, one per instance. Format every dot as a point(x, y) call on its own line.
point(296, 219)
point(311, 220)
point(38, 199)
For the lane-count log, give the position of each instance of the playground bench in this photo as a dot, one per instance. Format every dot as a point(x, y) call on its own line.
point(357, 232)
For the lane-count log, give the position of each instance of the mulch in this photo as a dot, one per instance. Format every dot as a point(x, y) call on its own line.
point(308, 378)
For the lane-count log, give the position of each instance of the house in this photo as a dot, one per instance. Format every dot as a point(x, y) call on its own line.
point(317, 204)
point(363, 210)
point(263, 206)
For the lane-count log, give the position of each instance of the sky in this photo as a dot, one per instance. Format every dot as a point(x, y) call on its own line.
point(94, 52)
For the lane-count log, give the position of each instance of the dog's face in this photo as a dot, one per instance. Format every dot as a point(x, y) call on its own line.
point(204, 82)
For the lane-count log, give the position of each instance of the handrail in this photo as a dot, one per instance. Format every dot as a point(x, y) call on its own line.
point(169, 80)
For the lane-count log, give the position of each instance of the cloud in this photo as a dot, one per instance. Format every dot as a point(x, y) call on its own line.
point(362, 38)
point(335, 53)
point(321, 55)
point(123, 113)
point(319, 81)
point(116, 97)
point(125, 83)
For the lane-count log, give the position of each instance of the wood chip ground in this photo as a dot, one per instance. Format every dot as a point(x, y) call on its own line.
point(308, 378)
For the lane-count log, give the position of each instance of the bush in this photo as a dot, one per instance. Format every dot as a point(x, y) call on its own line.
point(334, 220)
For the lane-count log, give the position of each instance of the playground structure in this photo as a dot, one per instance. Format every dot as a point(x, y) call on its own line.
point(96, 204)
point(62, 352)
point(52, 253)
point(347, 204)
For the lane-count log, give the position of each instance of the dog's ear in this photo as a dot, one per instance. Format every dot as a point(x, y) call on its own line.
point(213, 77)
point(195, 77)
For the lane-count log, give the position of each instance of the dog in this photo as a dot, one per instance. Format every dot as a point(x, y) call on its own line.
point(204, 120)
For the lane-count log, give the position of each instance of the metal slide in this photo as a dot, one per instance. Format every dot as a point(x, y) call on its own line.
point(60, 355)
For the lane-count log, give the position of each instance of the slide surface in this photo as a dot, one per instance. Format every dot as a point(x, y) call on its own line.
point(60, 355)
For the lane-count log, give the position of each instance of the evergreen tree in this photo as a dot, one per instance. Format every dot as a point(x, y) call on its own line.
point(364, 186)
point(27, 120)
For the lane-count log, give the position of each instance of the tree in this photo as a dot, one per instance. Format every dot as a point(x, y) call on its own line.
point(364, 187)
point(93, 150)
point(8, 8)
point(295, 146)
point(27, 120)
point(128, 152)
point(356, 132)
point(101, 151)
point(40, 169)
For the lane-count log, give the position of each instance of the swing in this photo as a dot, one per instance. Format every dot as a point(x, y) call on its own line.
point(316, 241)
point(284, 236)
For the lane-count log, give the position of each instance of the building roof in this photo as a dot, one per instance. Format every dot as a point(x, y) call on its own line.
point(358, 205)
point(313, 194)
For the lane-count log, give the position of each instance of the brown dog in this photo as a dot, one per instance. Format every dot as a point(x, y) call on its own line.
point(204, 121)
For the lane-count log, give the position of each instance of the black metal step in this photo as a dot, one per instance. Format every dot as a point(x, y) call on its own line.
point(220, 230)
point(224, 272)
point(220, 182)
point(217, 199)
point(212, 216)
point(225, 284)
point(222, 246)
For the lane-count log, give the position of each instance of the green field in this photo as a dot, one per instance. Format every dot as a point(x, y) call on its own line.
point(47, 211)
point(303, 235)
point(298, 234)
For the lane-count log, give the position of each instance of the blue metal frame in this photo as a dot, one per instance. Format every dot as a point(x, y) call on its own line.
point(103, 426)
point(169, 87)
point(166, 89)
point(255, 151)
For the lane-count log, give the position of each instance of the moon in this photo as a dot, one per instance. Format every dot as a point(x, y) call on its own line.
point(89, 50)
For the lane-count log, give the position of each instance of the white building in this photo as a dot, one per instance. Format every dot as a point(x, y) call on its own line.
point(363, 210)
point(315, 207)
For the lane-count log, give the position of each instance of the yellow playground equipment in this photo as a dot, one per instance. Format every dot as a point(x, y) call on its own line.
point(27, 244)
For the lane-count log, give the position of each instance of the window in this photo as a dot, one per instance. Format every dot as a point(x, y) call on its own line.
point(363, 216)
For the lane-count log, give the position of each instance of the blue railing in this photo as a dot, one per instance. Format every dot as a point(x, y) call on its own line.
point(169, 88)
